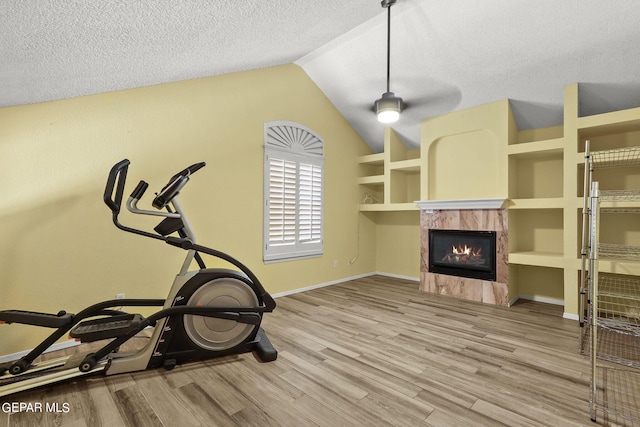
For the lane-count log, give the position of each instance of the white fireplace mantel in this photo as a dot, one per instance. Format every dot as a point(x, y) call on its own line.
point(438, 205)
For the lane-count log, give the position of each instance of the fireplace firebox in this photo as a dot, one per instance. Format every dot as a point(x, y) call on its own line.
point(463, 253)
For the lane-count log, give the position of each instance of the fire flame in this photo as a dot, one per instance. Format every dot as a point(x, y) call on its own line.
point(467, 250)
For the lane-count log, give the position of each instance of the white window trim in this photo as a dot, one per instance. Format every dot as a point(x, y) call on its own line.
point(294, 143)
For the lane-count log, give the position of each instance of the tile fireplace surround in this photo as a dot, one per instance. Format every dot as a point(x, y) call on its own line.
point(477, 214)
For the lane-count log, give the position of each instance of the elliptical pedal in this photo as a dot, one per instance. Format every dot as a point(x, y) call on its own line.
point(47, 320)
point(105, 328)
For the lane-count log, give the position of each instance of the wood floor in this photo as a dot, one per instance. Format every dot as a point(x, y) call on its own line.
point(370, 352)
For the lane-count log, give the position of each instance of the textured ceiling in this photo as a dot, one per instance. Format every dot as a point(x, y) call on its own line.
point(446, 54)
point(54, 49)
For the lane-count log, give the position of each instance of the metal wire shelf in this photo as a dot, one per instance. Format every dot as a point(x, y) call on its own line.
point(619, 195)
point(617, 323)
point(619, 210)
point(617, 342)
point(614, 347)
point(619, 287)
point(618, 395)
point(620, 201)
point(615, 251)
point(619, 157)
point(610, 304)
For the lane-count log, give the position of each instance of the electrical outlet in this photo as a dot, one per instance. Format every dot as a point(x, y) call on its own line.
point(119, 296)
point(335, 263)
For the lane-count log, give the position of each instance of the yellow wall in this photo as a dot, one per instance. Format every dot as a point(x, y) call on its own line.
point(398, 243)
point(454, 171)
point(59, 249)
point(464, 153)
point(538, 283)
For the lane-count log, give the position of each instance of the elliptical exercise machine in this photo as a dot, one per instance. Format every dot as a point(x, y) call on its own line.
point(208, 313)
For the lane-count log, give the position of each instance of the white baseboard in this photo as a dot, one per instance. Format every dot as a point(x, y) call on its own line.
point(571, 316)
point(54, 347)
point(397, 276)
point(553, 301)
point(346, 279)
point(320, 285)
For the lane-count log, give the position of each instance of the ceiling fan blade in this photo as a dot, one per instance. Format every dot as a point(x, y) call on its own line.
point(429, 99)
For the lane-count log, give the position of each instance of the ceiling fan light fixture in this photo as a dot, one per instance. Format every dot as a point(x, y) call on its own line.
point(388, 108)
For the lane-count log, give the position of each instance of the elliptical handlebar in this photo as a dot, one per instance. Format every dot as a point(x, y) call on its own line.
point(174, 185)
point(191, 169)
point(117, 178)
point(114, 192)
point(139, 190)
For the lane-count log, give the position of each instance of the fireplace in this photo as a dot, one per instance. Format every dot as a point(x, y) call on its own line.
point(463, 253)
point(460, 216)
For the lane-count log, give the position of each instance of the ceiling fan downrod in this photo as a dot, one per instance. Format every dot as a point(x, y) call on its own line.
point(388, 4)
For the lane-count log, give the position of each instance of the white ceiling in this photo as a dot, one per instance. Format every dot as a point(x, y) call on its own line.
point(446, 55)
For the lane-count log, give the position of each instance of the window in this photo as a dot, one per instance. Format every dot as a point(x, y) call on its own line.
point(293, 193)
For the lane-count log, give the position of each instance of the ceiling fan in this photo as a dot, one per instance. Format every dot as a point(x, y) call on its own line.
point(389, 106)
point(430, 96)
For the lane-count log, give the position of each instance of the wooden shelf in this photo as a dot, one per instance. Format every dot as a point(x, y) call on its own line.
point(538, 203)
point(388, 207)
point(536, 171)
point(371, 180)
point(393, 174)
point(539, 259)
point(372, 159)
point(536, 207)
point(548, 146)
point(411, 165)
point(609, 123)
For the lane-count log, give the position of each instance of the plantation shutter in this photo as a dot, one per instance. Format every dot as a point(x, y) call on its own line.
point(310, 203)
point(293, 212)
point(282, 202)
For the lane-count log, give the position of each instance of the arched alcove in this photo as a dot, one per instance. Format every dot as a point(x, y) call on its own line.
point(464, 166)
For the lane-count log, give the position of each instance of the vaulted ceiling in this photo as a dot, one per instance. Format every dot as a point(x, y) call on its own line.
point(446, 55)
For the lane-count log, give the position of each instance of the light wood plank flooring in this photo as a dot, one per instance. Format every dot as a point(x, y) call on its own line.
point(370, 352)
